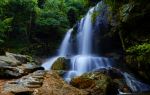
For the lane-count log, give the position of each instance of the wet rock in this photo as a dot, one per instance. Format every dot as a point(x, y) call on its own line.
point(121, 86)
point(102, 82)
point(112, 72)
point(54, 85)
point(60, 72)
point(16, 65)
point(125, 10)
point(60, 64)
point(9, 71)
point(95, 83)
point(9, 60)
point(26, 83)
point(40, 83)
point(22, 58)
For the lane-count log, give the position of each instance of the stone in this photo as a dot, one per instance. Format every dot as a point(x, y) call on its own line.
point(18, 71)
point(54, 85)
point(60, 64)
point(9, 60)
point(26, 83)
point(16, 65)
point(40, 83)
point(95, 83)
point(22, 58)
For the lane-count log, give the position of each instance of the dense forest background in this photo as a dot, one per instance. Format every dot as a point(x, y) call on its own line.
point(36, 27)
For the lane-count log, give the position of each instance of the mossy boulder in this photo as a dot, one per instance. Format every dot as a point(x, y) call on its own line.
point(102, 82)
point(95, 83)
point(60, 64)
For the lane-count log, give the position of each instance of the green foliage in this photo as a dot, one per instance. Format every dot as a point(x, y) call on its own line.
point(115, 4)
point(140, 49)
point(139, 54)
point(24, 24)
point(5, 27)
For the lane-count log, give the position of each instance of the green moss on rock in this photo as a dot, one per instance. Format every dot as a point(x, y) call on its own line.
point(60, 64)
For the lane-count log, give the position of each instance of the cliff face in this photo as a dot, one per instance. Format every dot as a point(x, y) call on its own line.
point(128, 33)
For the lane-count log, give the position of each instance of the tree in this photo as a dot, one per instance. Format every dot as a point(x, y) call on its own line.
point(21, 12)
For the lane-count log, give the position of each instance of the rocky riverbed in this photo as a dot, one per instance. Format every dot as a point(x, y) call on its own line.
point(21, 75)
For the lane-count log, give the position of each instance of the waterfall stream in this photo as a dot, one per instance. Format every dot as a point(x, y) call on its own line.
point(85, 60)
point(65, 46)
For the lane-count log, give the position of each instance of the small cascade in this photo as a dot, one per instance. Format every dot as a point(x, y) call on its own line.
point(47, 65)
point(134, 84)
point(65, 46)
point(64, 50)
point(81, 64)
point(85, 39)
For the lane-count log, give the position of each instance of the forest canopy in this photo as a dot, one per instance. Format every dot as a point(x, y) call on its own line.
point(33, 25)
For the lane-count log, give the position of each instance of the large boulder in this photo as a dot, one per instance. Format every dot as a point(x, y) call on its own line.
point(95, 83)
point(60, 64)
point(21, 58)
point(40, 83)
point(102, 82)
point(16, 65)
point(26, 83)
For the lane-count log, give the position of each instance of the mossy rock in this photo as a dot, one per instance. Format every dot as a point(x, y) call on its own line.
point(60, 64)
point(94, 82)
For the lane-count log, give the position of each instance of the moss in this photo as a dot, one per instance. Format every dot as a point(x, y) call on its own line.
point(59, 64)
point(94, 16)
point(125, 11)
point(96, 82)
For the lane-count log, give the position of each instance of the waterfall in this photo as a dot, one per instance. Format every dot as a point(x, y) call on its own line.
point(65, 46)
point(134, 84)
point(85, 60)
point(86, 36)
point(64, 50)
point(47, 65)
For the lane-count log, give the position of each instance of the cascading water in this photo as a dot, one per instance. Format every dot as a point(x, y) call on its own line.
point(47, 65)
point(63, 51)
point(85, 59)
point(134, 84)
point(86, 36)
point(65, 46)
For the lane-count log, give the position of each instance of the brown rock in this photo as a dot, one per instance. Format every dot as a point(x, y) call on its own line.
point(95, 82)
point(54, 85)
point(39, 83)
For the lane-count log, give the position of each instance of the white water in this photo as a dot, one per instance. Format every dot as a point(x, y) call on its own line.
point(85, 61)
point(65, 46)
point(134, 84)
point(81, 64)
point(47, 65)
point(86, 30)
point(63, 51)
